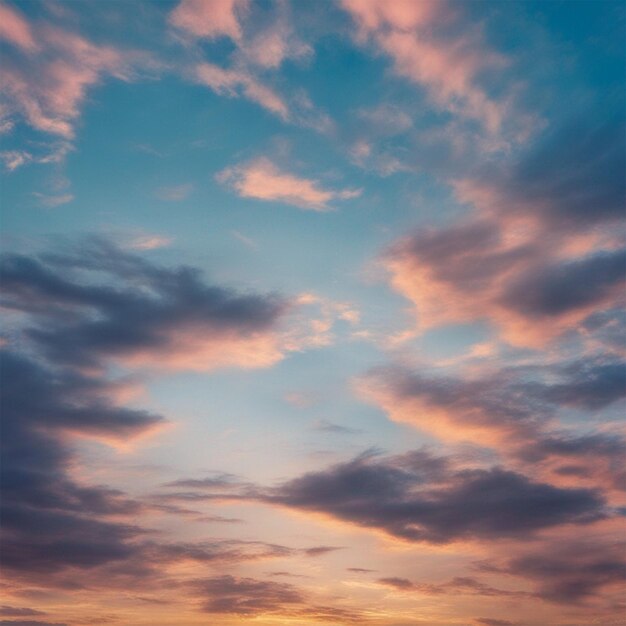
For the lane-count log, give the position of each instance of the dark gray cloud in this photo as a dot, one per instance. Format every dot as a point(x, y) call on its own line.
point(589, 384)
point(49, 521)
point(555, 289)
point(404, 497)
point(575, 174)
point(568, 572)
point(418, 496)
point(77, 308)
point(135, 308)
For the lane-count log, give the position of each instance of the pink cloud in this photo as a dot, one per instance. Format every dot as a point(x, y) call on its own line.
point(272, 46)
point(263, 38)
point(263, 180)
point(448, 67)
point(237, 82)
point(209, 18)
point(48, 87)
point(16, 30)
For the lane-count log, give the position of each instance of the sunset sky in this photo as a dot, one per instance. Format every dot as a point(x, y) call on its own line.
point(313, 313)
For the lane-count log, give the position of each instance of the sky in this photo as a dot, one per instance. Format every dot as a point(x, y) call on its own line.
point(313, 312)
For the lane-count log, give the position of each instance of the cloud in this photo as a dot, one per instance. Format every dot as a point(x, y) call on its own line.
point(447, 64)
point(246, 596)
point(16, 30)
point(238, 82)
point(360, 570)
point(321, 550)
point(76, 310)
point(569, 572)
point(458, 585)
point(557, 290)
point(48, 72)
point(148, 316)
point(539, 253)
point(514, 412)
point(13, 159)
point(261, 179)
point(393, 496)
point(263, 39)
point(515, 403)
point(270, 47)
point(570, 178)
point(419, 497)
point(250, 597)
point(217, 18)
point(476, 271)
point(50, 522)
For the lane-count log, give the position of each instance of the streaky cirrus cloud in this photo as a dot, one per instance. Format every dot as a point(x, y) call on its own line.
point(263, 180)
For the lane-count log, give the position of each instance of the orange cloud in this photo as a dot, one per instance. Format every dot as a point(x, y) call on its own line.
point(263, 180)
